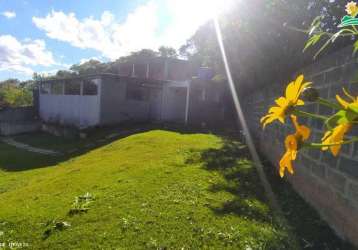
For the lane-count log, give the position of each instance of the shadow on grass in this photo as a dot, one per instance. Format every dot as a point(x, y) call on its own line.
point(13, 159)
point(240, 179)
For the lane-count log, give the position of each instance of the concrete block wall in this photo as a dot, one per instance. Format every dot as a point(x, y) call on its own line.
point(19, 120)
point(328, 183)
point(15, 128)
point(17, 114)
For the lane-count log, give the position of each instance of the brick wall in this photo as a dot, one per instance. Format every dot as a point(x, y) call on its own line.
point(329, 184)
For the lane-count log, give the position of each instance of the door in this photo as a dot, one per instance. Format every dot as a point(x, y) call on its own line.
point(155, 103)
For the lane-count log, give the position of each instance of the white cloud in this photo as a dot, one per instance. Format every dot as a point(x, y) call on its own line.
point(105, 35)
point(20, 56)
point(84, 60)
point(9, 14)
point(142, 28)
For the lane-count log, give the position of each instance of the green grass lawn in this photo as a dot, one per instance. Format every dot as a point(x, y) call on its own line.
point(152, 190)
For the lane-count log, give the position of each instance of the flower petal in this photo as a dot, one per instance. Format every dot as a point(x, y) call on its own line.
point(343, 103)
point(293, 154)
point(348, 95)
point(336, 136)
point(291, 143)
point(300, 102)
point(290, 91)
point(269, 120)
point(294, 121)
point(284, 162)
point(282, 102)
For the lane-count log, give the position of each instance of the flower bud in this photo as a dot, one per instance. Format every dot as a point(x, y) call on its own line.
point(310, 94)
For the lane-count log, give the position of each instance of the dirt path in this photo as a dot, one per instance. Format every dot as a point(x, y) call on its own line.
point(19, 145)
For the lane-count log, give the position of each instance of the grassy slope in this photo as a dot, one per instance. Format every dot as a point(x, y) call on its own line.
point(152, 190)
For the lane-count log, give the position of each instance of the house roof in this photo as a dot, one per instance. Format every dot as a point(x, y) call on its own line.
point(102, 75)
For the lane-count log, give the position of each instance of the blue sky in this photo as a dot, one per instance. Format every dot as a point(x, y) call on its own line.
point(44, 36)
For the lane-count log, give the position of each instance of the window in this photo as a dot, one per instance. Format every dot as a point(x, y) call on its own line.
point(73, 87)
point(57, 88)
point(45, 88)
point(137, 92)
point(140, 70)
point(90, 87)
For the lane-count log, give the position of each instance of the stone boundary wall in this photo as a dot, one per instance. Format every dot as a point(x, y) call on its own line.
point(328, 183)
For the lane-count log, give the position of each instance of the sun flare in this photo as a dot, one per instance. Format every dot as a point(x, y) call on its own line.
point(200, 11)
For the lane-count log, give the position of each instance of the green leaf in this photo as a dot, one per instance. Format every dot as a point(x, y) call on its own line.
point(341, 117)
point(351, 115)
point(332, 121)
point(316, 21)
point(312, 41)
point(336, 35)
point(353, 107)
point(315, 24)
point(337, 118)
point(348, 21)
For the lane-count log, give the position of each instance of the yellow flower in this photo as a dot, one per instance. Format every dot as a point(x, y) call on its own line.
point(291, 99)
point(352, 9)
point(292, 145)
point(346, 104)
point(336, 136)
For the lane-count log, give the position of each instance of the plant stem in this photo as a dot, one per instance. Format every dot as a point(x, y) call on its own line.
point(328, 103)
point(355, 29)
point(308, 115)
point(319, 145)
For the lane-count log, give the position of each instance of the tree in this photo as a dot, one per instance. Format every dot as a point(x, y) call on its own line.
point(262, 40)
point(14, 93)
point(167, 52)
point(139, 55)
point(10, 82)
point(87, 68)
point(65, 74)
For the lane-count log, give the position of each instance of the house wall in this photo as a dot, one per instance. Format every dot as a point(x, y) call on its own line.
point(113, 104)
point(115, 107)
point(75, 110)
point(207, 104)
point(329, 183)
point(165, 103)
point(174, 103)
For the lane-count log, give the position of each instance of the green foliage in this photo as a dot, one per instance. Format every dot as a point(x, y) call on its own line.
point(346, 28)
point(168, 52)
point(342, 117)
point(312, 41)
point(96, 67)
point(15, 94)
point(87, 68)
point(258, 33)
point(348, 21)
point(53, 226)
point(81, 204)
